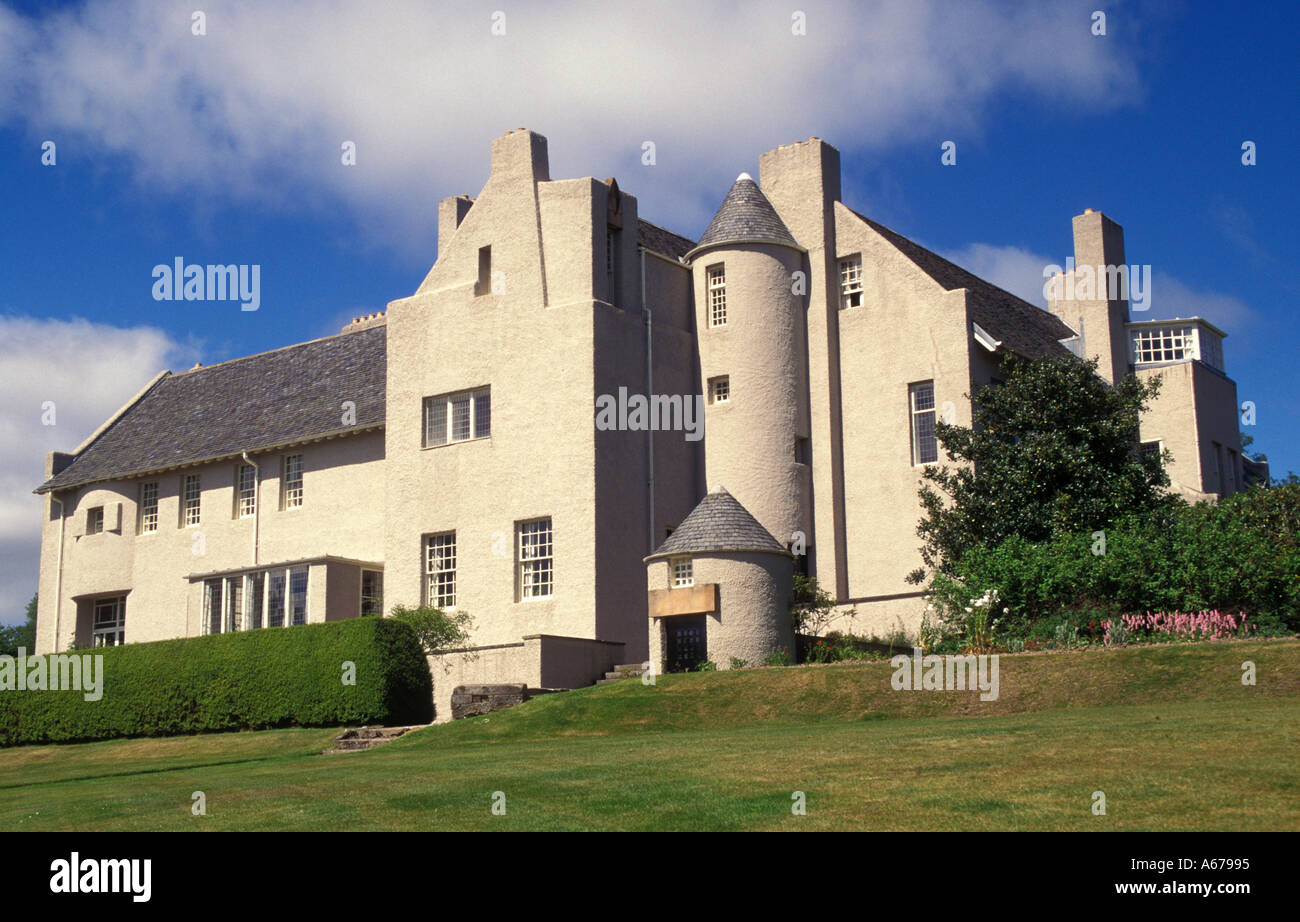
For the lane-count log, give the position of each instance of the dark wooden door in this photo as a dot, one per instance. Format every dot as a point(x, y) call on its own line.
point(686, 642)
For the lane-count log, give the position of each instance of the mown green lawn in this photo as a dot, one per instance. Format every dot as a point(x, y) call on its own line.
point(1169, 734)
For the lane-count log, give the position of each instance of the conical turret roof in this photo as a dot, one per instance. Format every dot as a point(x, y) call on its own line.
point(746, 215)
point(719, 523)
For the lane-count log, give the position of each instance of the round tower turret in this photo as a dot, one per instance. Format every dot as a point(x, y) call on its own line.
point(750, 302)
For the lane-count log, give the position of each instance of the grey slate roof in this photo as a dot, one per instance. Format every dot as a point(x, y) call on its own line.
point(1022, 327)
point(259, 401)
point(719, 523)
point(664, 242)
point(746, 214)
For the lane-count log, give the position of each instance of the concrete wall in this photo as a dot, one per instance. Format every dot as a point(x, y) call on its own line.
point(1196, 408)
point(341, 480)
point(802, 181)
point(538, 661)
point(909, 329)
point(762, 350)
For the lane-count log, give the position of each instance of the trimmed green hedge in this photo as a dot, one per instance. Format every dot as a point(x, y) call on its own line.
point(245, 681)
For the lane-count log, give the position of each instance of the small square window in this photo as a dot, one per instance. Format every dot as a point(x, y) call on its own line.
point(683, 572)
point(720, 389)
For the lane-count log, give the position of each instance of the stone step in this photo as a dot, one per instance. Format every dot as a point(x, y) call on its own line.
point(359, 739)
point(638, 668)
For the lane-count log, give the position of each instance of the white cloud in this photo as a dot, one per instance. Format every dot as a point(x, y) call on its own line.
point(1020, 271)
point(1017, 270)
point(87, 370)
point(1172, 298)
point(258, 107)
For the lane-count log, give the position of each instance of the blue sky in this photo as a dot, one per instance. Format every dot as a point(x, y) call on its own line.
point(225, 148)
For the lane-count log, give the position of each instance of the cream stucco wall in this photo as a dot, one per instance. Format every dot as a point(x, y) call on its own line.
point(762, 350)
point(752, 618)
point(338, 517)
point(1196, 408)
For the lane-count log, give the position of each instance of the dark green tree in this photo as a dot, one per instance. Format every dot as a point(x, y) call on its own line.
point(14, 636)
point(1053, 450)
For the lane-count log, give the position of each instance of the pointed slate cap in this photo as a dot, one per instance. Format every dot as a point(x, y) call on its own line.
point(719, 523)
point(746, 216)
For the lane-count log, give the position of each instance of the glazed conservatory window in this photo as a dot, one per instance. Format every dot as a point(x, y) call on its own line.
point(372, 592)
point(109, 626)
point(239, 601)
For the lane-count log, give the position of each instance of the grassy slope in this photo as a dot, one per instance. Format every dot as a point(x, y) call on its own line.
point(1169, 734)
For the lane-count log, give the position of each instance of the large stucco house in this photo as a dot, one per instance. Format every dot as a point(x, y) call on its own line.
point(451, 450)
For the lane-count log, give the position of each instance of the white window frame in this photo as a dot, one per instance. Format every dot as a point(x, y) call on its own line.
point(1154, 446)
point(254, 609)
point(716, 300)
point(112, 631)
point(147, 515)
point(191, 500)
point(851, 281)
point(440, 570)
point(245, 491)
point(95, 520)
point(720, 390)
point(378, 597)
point(292, 494)
point(917, 394)
point(682, 572)
point(535, 559)
point(440, 417)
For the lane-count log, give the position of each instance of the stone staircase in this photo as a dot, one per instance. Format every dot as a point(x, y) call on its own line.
point(627, 671)
point(362, 738)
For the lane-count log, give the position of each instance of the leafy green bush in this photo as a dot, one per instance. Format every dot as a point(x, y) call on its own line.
point(248, 680)
point(778, 657)
point(738, 663)
point(1241, 554)
point(437, 630)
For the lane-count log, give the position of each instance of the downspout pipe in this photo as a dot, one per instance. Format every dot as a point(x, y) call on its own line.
point(648, 317)
point(58, 575)
point(257, 499)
